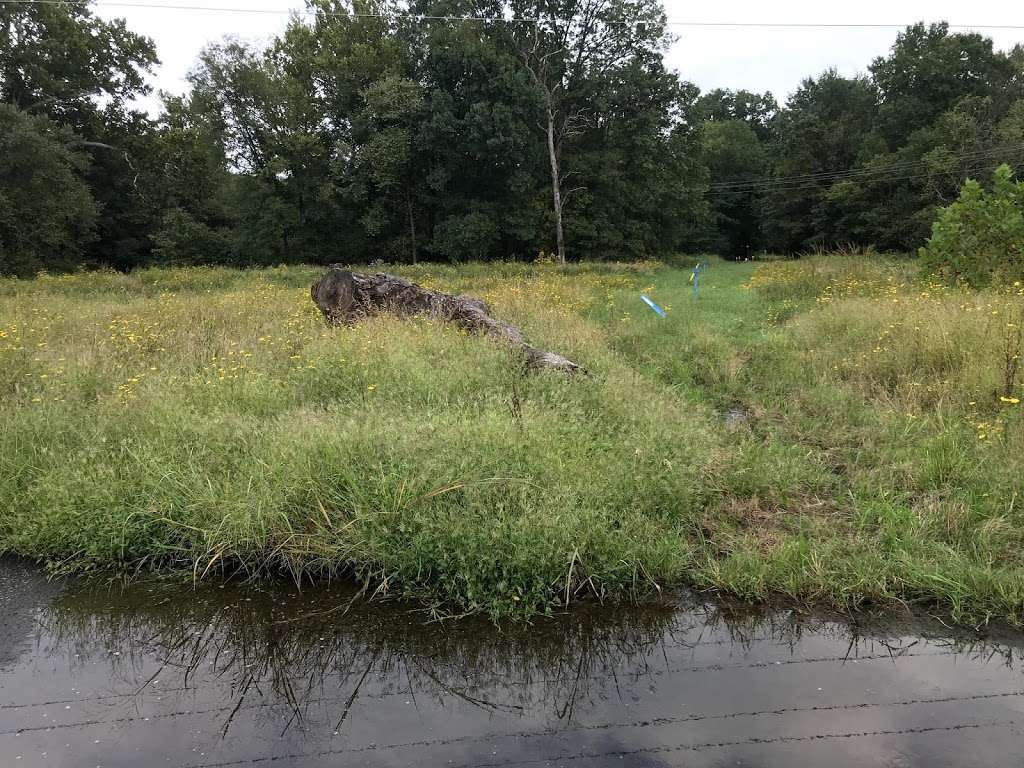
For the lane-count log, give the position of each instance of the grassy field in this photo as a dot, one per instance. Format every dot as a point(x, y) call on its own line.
point(205, 421)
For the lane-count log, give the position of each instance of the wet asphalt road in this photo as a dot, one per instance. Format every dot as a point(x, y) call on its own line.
point(234, 676)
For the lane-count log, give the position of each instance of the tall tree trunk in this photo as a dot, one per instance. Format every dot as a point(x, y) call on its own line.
point(556, 186)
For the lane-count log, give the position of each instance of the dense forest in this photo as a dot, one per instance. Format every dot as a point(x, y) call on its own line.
point(381, 130)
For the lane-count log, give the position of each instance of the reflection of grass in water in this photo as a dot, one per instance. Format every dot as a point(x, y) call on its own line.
point(304, 650)
point(304, 647)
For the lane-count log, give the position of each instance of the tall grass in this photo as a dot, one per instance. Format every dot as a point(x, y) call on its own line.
point(205, 422)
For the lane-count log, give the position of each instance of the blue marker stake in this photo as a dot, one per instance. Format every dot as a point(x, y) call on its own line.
point(652, 305)
point(695, 277)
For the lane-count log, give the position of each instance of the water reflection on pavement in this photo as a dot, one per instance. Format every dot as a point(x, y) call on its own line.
point(239, 676)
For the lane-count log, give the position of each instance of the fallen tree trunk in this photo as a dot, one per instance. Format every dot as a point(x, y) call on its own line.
point(345, 297)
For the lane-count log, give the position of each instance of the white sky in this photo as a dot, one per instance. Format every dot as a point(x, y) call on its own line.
point(765, 59)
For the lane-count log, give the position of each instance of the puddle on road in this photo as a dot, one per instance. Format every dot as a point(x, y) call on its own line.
point(238, 676)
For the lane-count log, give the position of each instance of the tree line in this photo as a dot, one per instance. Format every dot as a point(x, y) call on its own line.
point(378, 130)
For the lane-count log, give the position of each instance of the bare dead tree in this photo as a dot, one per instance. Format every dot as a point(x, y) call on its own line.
point(571, 41)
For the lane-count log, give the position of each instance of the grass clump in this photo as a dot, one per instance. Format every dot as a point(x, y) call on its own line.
point(204, 421)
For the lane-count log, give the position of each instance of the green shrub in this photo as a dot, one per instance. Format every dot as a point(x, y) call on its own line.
point(465, 238)
point(979, 239)
point(182, 240)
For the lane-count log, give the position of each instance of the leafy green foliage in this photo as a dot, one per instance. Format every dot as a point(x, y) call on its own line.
point(60, 61)
point(979, 239)
point(931, 71)
point(825, 133)
point(181, 240)
point(47, 216)
point(733, 155)
point(59, 58)
point(356, 138)
point(755, 109)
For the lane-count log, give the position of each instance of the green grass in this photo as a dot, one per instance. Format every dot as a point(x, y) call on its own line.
point(205, 422)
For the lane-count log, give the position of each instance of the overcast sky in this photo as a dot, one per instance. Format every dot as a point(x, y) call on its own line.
point(765, 59)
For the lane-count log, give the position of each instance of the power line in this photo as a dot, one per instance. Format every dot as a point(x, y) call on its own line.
point(816, 187)
point(280, 12)
point(825, 25)
point(865, 174)
point(829, 175)
point(975, 166)
point(500, 19)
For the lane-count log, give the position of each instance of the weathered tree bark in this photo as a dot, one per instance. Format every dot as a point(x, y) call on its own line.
point(556, 185)
point(345, 297)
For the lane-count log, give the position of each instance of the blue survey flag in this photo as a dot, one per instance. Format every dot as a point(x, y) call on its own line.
point(695, 276)
point(652, 305)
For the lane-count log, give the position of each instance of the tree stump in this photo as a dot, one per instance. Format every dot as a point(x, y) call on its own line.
point(345, 297)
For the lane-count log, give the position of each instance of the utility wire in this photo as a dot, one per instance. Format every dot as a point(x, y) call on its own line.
point(827, 175)
point(498, 19)
point(975, 167)
point(814, 179)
